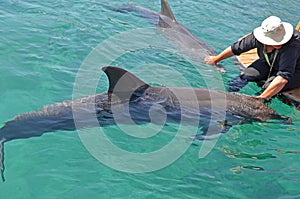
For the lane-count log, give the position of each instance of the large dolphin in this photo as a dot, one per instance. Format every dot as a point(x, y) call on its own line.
point(178, 34)
point(129, 99)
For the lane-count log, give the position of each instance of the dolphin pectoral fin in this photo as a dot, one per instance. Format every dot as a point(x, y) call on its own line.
point(2, 159)
point(206, 137)
point(207, 146)
point(213, 134)
point(208, 143)
point(210, 136)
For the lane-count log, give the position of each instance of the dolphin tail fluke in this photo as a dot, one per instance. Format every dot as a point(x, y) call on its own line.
point(2, 158)
point(166, 10)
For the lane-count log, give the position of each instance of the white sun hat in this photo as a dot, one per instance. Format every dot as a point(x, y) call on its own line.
point(273, 31)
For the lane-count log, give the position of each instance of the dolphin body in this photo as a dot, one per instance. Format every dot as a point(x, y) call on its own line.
point(175, 32)
point(130, 100)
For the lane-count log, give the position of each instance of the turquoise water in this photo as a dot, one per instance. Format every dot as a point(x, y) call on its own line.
point(44, 45)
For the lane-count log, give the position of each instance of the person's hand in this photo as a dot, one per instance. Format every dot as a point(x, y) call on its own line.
point(263, 99)
point(259, 97)
point(210, 60)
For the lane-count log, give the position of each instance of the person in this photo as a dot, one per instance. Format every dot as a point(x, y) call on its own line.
point(278, 48)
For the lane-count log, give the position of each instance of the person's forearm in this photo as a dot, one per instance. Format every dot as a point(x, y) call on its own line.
point(274, 88)
point(224, 55)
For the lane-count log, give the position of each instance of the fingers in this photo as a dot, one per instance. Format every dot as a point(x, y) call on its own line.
point(210, 60)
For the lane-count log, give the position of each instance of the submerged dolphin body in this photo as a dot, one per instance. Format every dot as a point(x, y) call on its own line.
point(128, 100)
point(178, 34)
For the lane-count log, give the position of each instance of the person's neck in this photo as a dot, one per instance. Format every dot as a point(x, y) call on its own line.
point(269, 48)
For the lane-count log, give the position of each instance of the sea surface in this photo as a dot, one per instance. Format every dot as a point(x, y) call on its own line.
point(46, 45)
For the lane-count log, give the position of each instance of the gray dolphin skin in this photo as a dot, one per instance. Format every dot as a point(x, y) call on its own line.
point(175, 32)
point(127, 92)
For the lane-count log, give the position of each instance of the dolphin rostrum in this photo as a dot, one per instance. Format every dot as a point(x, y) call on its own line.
point(175, 32)
point(130, 100)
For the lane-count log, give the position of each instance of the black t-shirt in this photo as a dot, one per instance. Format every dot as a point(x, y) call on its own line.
point(287, 63)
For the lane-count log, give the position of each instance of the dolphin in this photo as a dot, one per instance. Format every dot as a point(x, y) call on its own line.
point(175, 32)
point(130, 100)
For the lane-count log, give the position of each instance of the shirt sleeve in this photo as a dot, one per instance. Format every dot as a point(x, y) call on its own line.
point(243, 45)
point(288, 61)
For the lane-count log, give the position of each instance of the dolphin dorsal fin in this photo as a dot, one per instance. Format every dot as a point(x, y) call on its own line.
point(123, 82)
point(166, 10)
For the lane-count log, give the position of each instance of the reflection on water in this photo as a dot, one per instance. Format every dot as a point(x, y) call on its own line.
point(239, 154)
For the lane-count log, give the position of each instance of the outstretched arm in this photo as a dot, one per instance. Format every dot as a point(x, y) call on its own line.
point(274, 88)
point(223, 55)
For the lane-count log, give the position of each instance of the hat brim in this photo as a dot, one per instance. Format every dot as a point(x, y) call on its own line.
point(260, 36)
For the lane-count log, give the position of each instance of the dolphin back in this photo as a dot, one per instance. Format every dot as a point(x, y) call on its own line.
point(251, 108)
point(153, 17)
